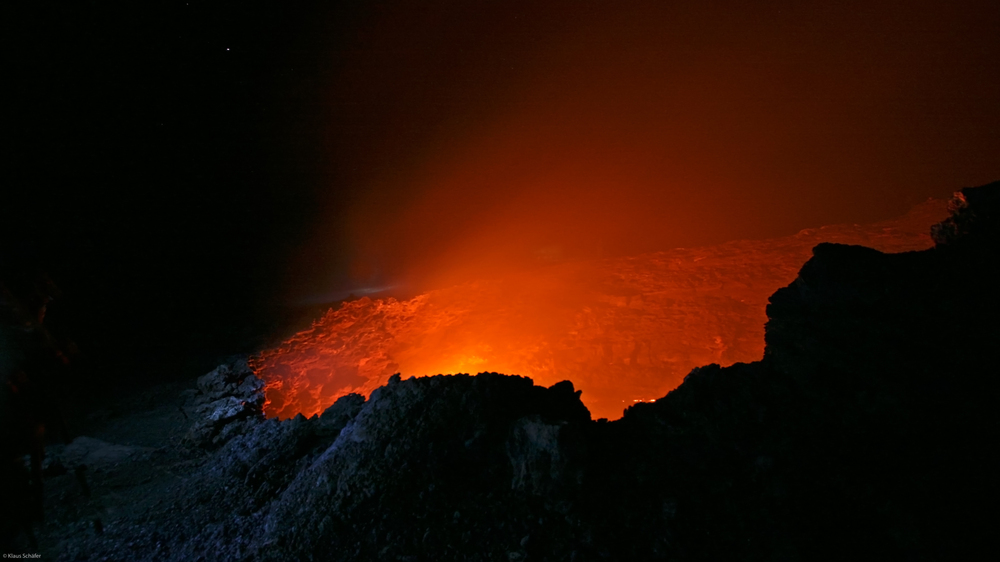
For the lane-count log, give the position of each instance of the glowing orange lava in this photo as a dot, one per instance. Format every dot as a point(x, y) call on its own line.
point(623, 330)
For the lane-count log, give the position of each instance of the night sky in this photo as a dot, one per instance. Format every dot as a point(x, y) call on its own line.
point(189, 172)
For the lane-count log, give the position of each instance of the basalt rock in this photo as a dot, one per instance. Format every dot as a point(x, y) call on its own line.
point(867, 431)
point(975, 217)
point(862, 433)
point(229, 399)
point(438, 467)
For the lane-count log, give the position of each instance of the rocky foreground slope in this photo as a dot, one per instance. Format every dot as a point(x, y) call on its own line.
point(868, 430)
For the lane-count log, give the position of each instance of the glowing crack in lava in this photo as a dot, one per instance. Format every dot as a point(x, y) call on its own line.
point(623, 329)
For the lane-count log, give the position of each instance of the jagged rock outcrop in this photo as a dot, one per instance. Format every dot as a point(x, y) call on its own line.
point(867, 431)
point(431, 468)
point(862, 433)
point(437, 465)
point(227, 400)
point(975, 217)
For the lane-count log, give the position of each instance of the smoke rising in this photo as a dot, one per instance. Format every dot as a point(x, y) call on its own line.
point(463, 140)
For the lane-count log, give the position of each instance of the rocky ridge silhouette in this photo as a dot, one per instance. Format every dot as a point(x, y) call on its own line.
point(867, 431)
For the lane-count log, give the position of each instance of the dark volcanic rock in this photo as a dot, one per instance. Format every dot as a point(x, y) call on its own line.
point(229, 396)
point(975, 216)
point(868, 430)
point(863, 432)
point(436, 465)
point(447, 467)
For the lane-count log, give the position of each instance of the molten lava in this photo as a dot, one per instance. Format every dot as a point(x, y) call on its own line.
point(622, 329)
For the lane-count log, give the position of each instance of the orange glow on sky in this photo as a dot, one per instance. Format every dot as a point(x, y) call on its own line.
point(526, 176)
point(463, 140)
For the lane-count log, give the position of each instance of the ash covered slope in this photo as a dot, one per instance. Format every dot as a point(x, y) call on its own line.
point(867, 431)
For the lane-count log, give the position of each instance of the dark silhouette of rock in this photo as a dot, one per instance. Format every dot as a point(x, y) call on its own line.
point(975, 214)
point(868, 431)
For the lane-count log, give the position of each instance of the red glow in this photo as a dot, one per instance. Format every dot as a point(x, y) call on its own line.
point(623, 330)
point(465, 145)
point(461, 140)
